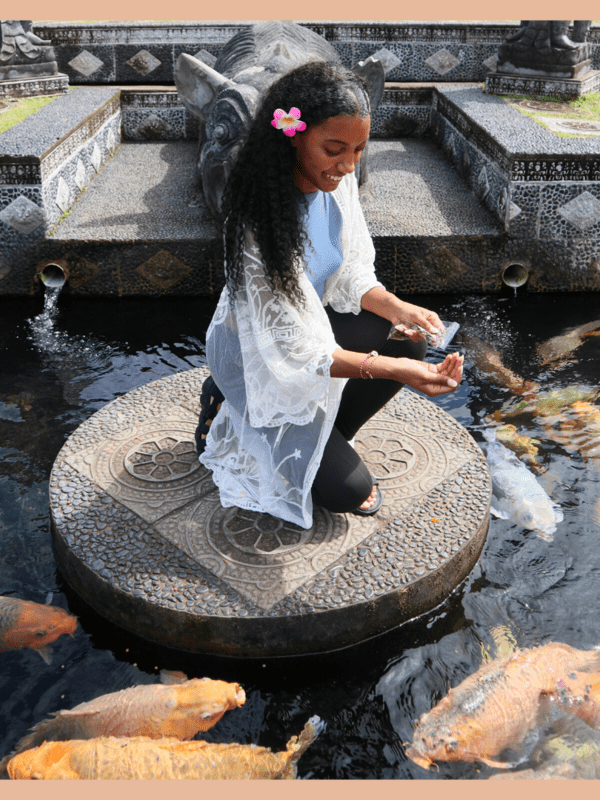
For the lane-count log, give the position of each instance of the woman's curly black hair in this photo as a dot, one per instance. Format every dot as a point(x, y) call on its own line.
point(260, 192)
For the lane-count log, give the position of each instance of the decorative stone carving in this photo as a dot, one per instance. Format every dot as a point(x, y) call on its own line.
point(507, 210)
point(226, 97)
point(143, 62)
point(163, 270)
point(80, 174)
point(542, 47)
point(96, 157)
point(23, 215)
point(22, 53)
point(389, 60)
point(442, 62)
point(62, 195)
point(204, 55)
point(483, 185)
point(86, 63)
point(583, 212)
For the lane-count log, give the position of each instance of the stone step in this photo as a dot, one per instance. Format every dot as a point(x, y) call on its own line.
point(144, 218)
point(50, 157)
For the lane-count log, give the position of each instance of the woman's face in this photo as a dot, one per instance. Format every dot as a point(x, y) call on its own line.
point(328, 151)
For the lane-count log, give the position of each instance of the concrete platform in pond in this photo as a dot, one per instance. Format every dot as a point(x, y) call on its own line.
point(140, 533)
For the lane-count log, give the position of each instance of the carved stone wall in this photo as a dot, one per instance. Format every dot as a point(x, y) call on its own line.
point(142, 53)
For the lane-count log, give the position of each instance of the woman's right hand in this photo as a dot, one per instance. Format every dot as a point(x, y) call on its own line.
point(431, 379)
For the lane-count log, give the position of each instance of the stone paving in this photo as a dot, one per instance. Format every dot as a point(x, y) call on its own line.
point(141, 535)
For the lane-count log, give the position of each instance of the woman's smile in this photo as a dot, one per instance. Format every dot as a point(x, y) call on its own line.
point(329, 151)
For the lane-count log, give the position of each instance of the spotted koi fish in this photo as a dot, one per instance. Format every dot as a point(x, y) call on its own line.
point(545, 405)
point(496, 707)
point(27, 624)
point(178, 710)
point(142, 758)
point(559, 347)
point(489, 362)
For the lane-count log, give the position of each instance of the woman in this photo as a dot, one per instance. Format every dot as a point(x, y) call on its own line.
point(303, 312)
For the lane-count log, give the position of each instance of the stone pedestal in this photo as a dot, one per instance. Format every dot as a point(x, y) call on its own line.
point(56, 83)
point(141, 535)
point(557, 64)
point(532, 83)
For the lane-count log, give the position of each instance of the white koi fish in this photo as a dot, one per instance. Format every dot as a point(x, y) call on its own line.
point(516, 494)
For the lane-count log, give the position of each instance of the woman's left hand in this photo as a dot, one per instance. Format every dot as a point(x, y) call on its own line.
point(409, 314)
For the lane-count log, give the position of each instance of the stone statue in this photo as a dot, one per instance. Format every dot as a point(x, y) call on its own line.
point(225, 97)
point(543, 47)
point(22, 53)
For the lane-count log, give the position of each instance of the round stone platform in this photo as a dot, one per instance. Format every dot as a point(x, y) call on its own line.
point(140, 533)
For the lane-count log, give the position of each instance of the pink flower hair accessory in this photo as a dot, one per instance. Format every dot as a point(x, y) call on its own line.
point(288, 123)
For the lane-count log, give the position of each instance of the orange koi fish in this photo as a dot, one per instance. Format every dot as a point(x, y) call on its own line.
point(496, 707)
point(142, 758)
point(489, 362)
point(27, 624)
point(524, 446)
point(178, 710)
point(578, 693)
point(559, 347)
point(544, 405)
point(571, 751)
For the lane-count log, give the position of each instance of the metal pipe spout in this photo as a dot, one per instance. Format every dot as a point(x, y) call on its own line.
point(515, 276)
point(54, 274)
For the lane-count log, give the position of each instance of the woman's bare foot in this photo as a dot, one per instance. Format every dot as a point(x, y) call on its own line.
point(370, 499)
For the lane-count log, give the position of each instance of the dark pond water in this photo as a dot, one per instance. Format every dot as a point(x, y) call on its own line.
point(525, 589)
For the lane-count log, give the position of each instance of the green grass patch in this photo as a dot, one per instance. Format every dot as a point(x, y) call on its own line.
point(586, 107)
point(15, 109)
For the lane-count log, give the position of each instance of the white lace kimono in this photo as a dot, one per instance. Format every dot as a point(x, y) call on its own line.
point(271, 361)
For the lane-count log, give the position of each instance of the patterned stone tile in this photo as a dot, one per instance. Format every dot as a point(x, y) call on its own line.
point(151, 468)
point(261, 557)
point(143, 62)
point(582, 212)
point(163, 270)
point(23, 215)
point(86, 63)
point(80, 174)
point(389, 60)
point(62, 195)
point(442, 62)
point(96, 157)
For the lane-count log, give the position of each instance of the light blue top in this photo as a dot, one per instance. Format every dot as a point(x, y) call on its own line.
point(322, 223)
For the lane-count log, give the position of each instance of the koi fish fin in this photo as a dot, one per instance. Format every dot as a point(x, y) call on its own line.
point(499, 514)
point(45, 652)
point(498, 764)
point(298, 744)
point(172, 676)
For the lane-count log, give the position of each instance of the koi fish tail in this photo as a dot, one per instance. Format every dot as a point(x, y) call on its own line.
point(58, 728)
point(297, 745)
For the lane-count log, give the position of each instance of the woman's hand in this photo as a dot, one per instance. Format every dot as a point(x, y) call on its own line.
point(409, 314)
point(387, 305)
point(431, 379)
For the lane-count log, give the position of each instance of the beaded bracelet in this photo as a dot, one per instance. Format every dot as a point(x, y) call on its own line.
point(373, 354)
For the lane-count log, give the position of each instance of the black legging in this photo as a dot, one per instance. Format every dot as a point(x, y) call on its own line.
point(343, 482)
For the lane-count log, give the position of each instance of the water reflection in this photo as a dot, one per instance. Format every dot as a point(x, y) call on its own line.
point(524, 592)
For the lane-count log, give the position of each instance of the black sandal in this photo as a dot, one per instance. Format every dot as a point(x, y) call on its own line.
point(361, 512)
point(211, 398)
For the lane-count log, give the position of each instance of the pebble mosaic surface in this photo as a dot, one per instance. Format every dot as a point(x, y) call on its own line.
point(147, 191)
point(131, 504)
point(513, 131)
point(416, 194)
point(39, 131)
